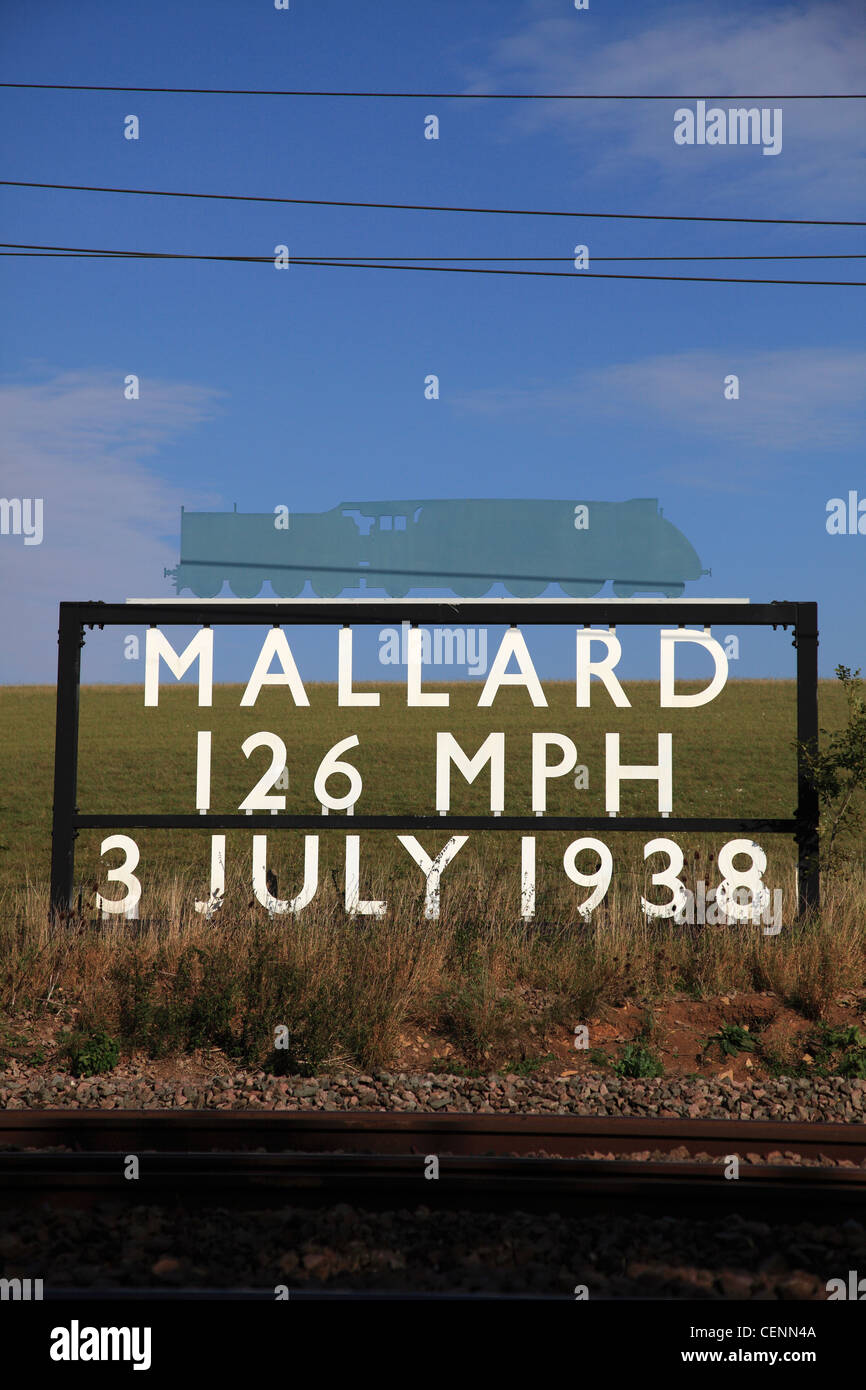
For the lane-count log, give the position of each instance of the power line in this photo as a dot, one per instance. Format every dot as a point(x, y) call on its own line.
point(93, 252)
point(444, 96)
point(429, 207)
point(334, 256)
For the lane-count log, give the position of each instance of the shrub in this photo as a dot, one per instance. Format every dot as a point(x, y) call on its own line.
point(838, 772)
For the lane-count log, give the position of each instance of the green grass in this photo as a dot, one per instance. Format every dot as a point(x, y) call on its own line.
point(733, 756)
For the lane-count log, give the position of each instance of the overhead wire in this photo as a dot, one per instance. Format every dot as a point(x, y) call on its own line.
point(95, 252)
point(439, 96)
point(433, 207)
point(334, 256)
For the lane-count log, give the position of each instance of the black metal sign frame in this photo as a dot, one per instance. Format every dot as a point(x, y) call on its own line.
point(68, 820)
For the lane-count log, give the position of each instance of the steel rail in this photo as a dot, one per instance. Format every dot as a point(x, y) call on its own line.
point(544, 1163)
point(476, 1182)
point(412, 1132)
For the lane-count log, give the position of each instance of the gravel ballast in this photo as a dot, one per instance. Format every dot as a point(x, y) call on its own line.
point(836, 1099)
point(418, 1248)
point(344, 1247)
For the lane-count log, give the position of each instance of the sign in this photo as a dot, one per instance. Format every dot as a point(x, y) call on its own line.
point(338, 783)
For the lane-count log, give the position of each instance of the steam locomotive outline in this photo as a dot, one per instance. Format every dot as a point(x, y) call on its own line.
point(463, 545)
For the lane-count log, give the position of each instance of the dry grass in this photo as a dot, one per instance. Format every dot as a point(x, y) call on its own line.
point(345, 989)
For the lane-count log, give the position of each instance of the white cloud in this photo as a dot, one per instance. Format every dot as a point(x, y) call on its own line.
point(811, 48)
point(790, 400)
point(74, 441)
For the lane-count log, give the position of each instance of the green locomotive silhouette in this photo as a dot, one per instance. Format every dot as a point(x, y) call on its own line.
point(465, 545)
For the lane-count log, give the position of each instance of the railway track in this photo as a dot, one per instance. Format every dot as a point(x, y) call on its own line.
point(401, 1132)
point(201, 1170)
point(380, 1159)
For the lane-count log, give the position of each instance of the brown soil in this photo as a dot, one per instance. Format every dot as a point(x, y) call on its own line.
point(677, 1030)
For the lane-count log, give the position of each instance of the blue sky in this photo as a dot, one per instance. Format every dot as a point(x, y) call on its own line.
point(261, 387)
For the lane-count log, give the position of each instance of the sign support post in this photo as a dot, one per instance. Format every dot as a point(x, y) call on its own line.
point(808, 848)
point(70, 640)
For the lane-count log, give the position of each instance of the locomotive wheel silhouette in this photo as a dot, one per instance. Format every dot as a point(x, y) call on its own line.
point(332, 585)
point(471, 588)
point(207, 583)
point(287, 584)
point(395, 585)
point(246, 585)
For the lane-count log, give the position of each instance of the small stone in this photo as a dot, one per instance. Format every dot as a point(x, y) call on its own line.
point(735, 1284)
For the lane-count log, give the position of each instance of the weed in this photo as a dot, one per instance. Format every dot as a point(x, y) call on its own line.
point(480, 1018)
point(598, 1057)
point(638, 1060)
point(838, 1051)
point(732, 1039)
point(447, 1066)
point(89, 1054)
point(527, 1066)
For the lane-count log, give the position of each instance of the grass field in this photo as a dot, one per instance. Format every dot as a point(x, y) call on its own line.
point(734, 756)
point(490, 987)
